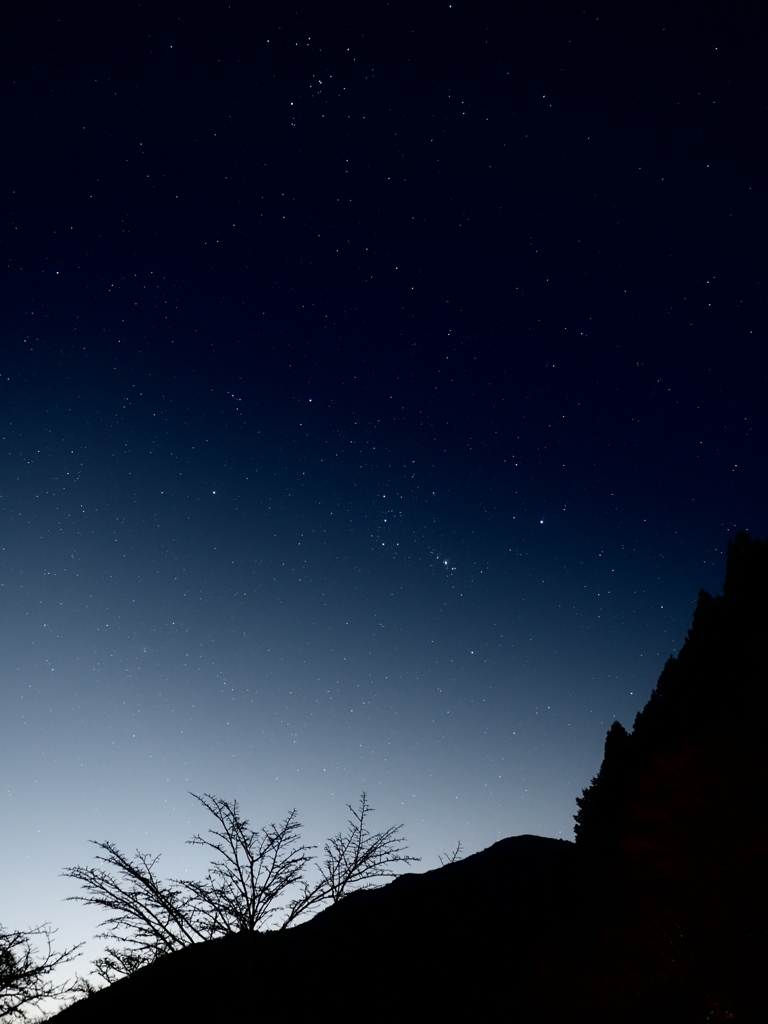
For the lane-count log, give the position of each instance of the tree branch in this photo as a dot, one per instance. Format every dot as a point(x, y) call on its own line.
point(25, 971)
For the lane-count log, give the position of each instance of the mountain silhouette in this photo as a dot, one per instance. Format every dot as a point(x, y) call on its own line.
point(658, 911)
point(417, 945)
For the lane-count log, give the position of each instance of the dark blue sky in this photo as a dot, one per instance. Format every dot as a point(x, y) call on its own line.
point(378, 389)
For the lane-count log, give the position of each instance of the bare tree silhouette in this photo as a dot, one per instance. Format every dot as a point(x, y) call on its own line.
point(256, 877)
point(27, 964)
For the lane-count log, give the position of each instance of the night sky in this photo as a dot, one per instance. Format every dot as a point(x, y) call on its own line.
point(379, 385)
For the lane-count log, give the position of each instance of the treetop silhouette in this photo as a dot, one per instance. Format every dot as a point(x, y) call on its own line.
point(257, 877)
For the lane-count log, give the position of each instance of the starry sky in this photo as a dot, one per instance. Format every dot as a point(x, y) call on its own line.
point(379, 385)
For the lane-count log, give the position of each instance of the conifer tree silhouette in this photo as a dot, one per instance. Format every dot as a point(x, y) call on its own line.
point(673, 831)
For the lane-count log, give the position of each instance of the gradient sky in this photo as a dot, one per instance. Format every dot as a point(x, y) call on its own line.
point(379, 385)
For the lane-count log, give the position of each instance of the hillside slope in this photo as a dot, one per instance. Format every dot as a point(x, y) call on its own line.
point(658, 912)
point(422, 944)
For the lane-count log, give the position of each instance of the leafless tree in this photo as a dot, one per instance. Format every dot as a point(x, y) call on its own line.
point(149, 915)
point(27, 965)
point(245, 884)
point(355, 859)
point(450, 858)
point(358, 857)
point(257, 877)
